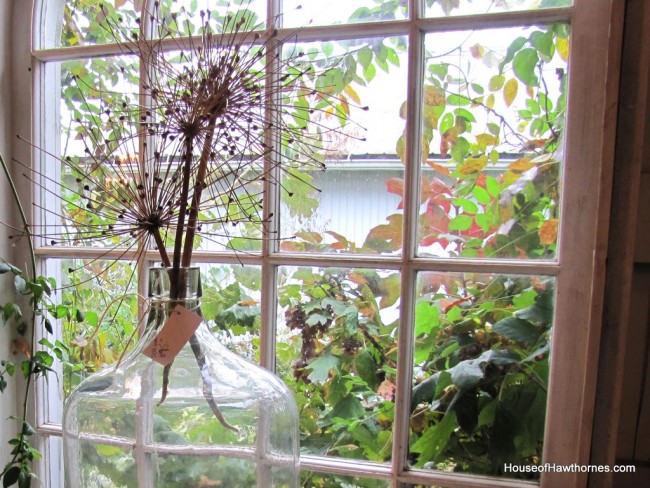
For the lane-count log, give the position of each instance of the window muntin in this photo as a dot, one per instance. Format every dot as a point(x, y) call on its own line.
point(440, 8)
point(550, 269)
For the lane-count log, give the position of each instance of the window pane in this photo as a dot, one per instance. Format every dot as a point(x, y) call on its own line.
point(354, 205)
point(85, 197)
point(438, 8)
point(299, 13)
point(97, 311)
point(493, 118)
point(187, 16)
point(336, 349)
point(87, 22)
point(481, 371)
point(231, 304)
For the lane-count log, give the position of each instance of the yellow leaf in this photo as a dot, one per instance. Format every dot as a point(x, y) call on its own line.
point(472, 165)
point(563, 48)
point(548, 232)
point(510, 91)
point(521, 165)
point(352, 94)
point(485, 140)
point(434, 96)
point(489, 102)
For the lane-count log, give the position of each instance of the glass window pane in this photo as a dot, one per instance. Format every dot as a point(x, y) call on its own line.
point(186, 17)
point(97, 309)
point(493, 118)
point(353, 206)
point(82, 201)
point(231, 305)
point(86, 22)
point(439, 8)
point(481, 364)
point(336, 349)
point(299, 13)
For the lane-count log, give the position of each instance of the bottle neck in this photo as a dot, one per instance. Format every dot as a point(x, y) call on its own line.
point(175, 284)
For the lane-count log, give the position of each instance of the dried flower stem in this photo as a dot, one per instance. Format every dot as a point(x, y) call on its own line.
point(196, 197)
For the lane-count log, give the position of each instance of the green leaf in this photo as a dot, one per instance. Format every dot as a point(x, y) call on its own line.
point(541, 311)
point(348, 408)
point(434, 439)
point(337, 306)
point(425, 391)
point(466, 374)
point(427, 317)
point(496, 82)
point(524, 66)
point(466, 204)
point(514, 46)
point(320, 367)
point(11, 476)
point(365, 56)
point(28, 430)
point(460, 222)
point(317, 319)
point(454, 99)
point(486, 417)
point(446, 123)
point(516, 329)
point(79, 315)
point(25, 479)
point(19, 284)
point(351, 325)
point(543, 42)
point(366, 367)
point(492, 185)
point(481, 195)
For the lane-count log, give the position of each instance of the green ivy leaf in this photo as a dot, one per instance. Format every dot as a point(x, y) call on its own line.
point(320, 367)
point(427, 317)
point(348, 408)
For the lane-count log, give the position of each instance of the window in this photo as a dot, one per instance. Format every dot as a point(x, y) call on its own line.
point(443, 259)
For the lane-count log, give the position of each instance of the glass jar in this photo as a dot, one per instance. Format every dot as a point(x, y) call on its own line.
point(202, 417)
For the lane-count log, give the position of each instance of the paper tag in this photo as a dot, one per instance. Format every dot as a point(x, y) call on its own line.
point(178, 329)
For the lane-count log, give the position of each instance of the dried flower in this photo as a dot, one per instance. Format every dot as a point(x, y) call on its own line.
point(220, 114)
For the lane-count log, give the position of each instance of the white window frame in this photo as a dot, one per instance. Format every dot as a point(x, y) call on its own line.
point(596, 27)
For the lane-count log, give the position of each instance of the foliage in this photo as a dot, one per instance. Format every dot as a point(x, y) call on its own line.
point(490, 163)
point(33, 305)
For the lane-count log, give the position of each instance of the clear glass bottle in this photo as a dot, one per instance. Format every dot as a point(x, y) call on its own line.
point(223, 422)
